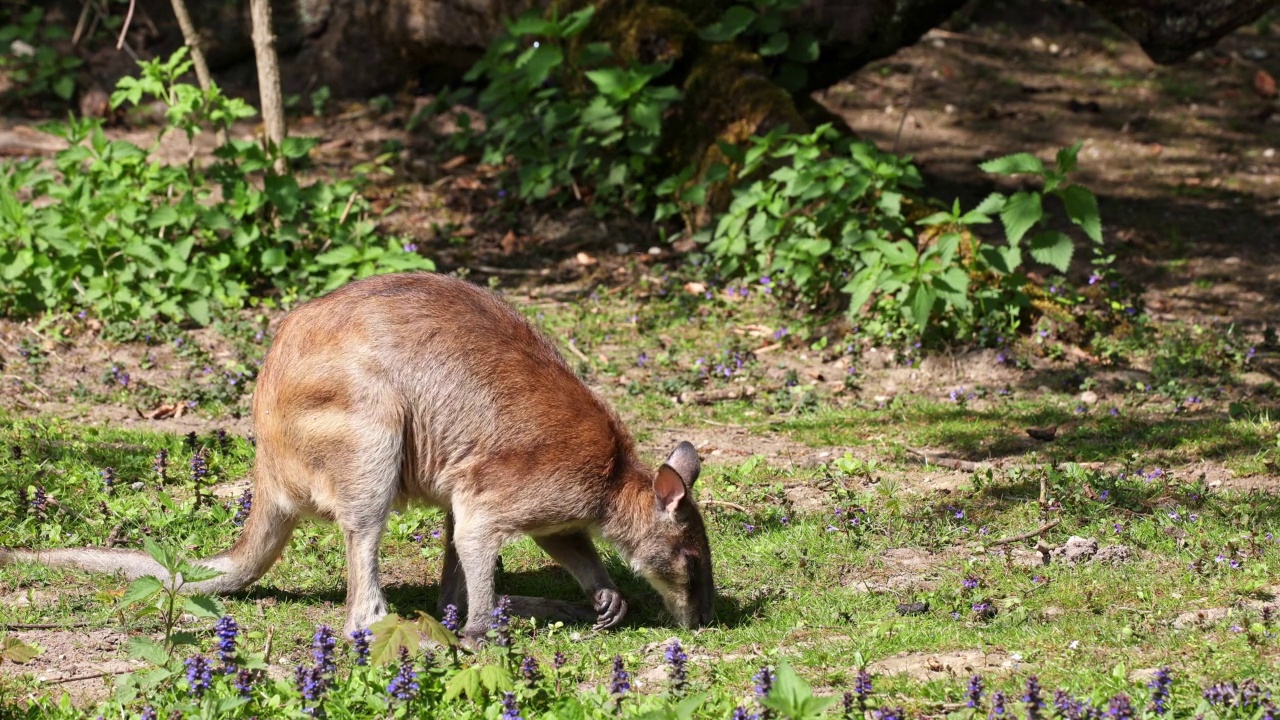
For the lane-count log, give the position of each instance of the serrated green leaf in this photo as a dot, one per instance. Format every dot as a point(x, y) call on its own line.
point(466, 681)
point(146, 649)
point(344, 255)
point(1052, 248)
point(198, 309)
point(180, 639)
point(141, 590)
point(1066, 159)
point(1014, 164)
point(197, 573)
point(495, 678)
point(161, 216)
point(1002, 260)
point(920, 299)
point(991, 204)
point(163, 555)
point(434, 631)
point(16, 651)
point(203, 606)
point(389, 635)
point(1082, 208)
point(1021, 212)
point(685, 709)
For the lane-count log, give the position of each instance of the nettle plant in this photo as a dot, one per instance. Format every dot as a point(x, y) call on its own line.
point(111, 229)
point(828, 220)
point(760, 25)
point(567, 117)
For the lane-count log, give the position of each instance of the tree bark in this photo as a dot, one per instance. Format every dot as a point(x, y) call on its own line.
point(192, 40)
point(264, 51)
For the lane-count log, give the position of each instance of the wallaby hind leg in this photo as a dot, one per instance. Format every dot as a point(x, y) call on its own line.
point(575, 552)
point(367, 479)
point(478, 543)
point(453, 591)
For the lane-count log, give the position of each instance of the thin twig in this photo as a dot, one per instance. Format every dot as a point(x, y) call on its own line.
point(124, 29)
point(81, 23)
point(44, 626)
point(906, 110)
point(37, 387)
point(724, 503)
point(946, 462)
point(581, 355)
point(94, 676)
point(1027, 535)
point(509, 271)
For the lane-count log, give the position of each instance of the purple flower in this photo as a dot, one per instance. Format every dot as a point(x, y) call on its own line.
point(404, 686)
point(199, 466)
point(226, 629)
point(244, 682)
point(974, 692)
point(360, 644)
point(1033, 700)
point(411, 248)
point(969, 583)
point(620, 683)
point(749, 528)
point(558, 660)
point(677, 658)
point(997, 704)
point(529, 669)
point(862, 689)
point(1120, 708)
point(764, 681)
point(246, 504)
point(108, 478)
point(148, 713)
point(199, 675)
point(510, 711)
point(644, 358)
point(500, 622)
point(450, 618)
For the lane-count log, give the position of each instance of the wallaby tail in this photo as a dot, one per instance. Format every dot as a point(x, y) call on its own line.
point(270, 524)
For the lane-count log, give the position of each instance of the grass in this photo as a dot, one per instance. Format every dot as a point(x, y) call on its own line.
point(796, 582)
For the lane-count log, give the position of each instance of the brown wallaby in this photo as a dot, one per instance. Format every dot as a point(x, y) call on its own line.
point(421, 387)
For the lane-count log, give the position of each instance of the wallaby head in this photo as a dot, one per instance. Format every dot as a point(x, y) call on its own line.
point(674, 554)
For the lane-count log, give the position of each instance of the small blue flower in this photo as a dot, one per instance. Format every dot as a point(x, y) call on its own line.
point(360, 644)
point(199, 675)
point(404, 686)
point(620, 683)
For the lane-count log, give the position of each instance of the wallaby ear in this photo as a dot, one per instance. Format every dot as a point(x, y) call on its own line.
point(676, 476)
point(684, 460)
point(668, 489)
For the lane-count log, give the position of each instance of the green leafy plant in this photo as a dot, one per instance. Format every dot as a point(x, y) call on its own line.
point(153, 596)
point(566, 116)
point(760, 26)
point(113, 230)
point(33, 64)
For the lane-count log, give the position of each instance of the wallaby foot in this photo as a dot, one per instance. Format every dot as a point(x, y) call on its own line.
point(611, 606)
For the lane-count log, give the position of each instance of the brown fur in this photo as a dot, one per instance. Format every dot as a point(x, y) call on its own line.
point(420, 387)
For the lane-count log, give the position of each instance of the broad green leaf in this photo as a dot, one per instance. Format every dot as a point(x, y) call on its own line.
point(389, 635)
point(434, 631)
point(804, 49)
point(1020, 214)
point(344, 255)
point(1003, 260)
point(466, 681)
point(179, 639)
point(146, 649)
point(952, 282)
point(1014, 164)
point(273, 258)
point(1052, 248)
point(776, 44)
point(920, 299)
point(163, 215)
point(142, 590)
point(295, 147)
point(685, 709)
point(198, 309)
point(540, 61)
point(990, 205)
point(862, 285)
point(16, 651)
point(1082, 208)
point(1067, 158)
point(734, 21)
point(495, 678)
point(284, 194)
point(203, 606)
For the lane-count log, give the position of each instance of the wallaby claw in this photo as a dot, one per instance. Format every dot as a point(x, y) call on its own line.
point(611, 606)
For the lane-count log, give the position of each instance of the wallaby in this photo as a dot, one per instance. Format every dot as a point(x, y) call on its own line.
point(421, 387)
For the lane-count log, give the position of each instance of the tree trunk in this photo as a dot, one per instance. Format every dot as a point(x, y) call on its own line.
point(264, 51)
point(192, 40)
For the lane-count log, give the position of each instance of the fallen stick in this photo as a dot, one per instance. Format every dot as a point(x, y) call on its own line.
point(724, 503)
point(43, 626)
point(1027, 535)
point(94, 676)
point(947, 462)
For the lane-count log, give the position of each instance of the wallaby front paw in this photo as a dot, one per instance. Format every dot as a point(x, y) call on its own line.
point(611, 606)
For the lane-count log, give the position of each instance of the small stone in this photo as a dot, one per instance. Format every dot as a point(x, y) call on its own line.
point(655, 250)
point(622, 248)
point(1114, 554)
point(1269, 153)
point(1089, 397)
point(1076, 550)
point(136, 487)
point(915, 608)
point(1194, 618)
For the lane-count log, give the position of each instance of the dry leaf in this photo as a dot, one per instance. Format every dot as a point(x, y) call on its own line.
point(1264, 84)
point(585, 260)
point(454, 163)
